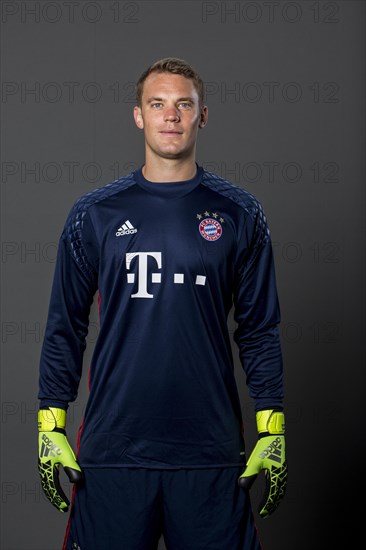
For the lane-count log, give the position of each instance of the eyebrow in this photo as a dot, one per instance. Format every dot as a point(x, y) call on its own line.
point(162, 99)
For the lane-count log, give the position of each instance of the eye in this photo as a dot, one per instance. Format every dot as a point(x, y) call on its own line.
point(185, 105)
point(156, 105)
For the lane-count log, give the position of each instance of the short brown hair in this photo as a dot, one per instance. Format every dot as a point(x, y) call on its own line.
point(172, 65)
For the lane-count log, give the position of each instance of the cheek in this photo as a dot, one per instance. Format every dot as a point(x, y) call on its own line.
point(195, 122)
point(194, 127)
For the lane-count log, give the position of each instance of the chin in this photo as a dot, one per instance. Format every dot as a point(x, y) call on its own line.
point(173, 154)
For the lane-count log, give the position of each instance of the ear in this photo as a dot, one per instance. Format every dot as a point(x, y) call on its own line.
point(203, 117)
point(137, 115)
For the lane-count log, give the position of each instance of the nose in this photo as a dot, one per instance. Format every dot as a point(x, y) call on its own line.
point(171, 114)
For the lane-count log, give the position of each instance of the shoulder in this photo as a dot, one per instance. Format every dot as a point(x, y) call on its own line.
point(91, 198)
point(83, 203)
point(249, 204)
point(238, 195)
point(78, 230)
point(76, 219)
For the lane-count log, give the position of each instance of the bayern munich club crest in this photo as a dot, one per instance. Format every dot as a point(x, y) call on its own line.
point(210, 229)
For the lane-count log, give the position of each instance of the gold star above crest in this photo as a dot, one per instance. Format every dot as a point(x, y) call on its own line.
point(207, 214)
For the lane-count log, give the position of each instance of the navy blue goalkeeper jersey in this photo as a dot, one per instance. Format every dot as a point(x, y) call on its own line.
point(168, 261)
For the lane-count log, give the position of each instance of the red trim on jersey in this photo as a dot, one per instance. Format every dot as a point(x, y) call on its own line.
point(79, 437)
point(99, 299)
point(256, 528)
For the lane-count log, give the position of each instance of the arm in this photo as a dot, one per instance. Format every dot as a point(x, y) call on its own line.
point(74, 285)
point(257, 314)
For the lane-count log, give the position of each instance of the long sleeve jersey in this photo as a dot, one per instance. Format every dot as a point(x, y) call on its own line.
point(168, 261)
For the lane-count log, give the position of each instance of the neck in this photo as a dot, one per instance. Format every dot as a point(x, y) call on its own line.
point(165, 170)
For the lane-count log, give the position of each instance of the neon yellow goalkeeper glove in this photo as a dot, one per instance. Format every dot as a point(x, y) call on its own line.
point(269, 455)
point(53, 450)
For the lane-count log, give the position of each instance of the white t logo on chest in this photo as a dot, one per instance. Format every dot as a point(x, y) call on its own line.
point(143, 273)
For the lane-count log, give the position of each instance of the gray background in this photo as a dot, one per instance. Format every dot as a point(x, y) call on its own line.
point(285, 88)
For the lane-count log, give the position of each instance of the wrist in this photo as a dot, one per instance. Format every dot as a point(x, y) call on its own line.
point(270, 422)
point(51, 419)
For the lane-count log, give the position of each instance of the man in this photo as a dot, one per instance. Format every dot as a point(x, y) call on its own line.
point(169, 248)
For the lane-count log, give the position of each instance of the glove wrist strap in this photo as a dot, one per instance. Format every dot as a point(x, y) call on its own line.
point(51, 419)
point(270, 422)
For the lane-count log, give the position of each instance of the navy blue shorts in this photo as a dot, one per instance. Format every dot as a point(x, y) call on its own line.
point(130, 509)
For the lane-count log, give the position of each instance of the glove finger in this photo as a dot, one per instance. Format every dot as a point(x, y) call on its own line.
point(74, 475)
point(245, 482)
point(275, 488)
point(264, 507)
point(50, 481)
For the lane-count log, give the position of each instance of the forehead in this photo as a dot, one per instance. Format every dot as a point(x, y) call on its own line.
point(165, 85)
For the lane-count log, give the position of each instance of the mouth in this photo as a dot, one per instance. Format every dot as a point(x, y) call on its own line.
point(170, 132)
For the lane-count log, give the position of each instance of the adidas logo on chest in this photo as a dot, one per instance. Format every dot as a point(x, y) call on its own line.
point(126, 229)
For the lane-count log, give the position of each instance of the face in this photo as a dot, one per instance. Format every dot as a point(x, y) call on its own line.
point(170, 116)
